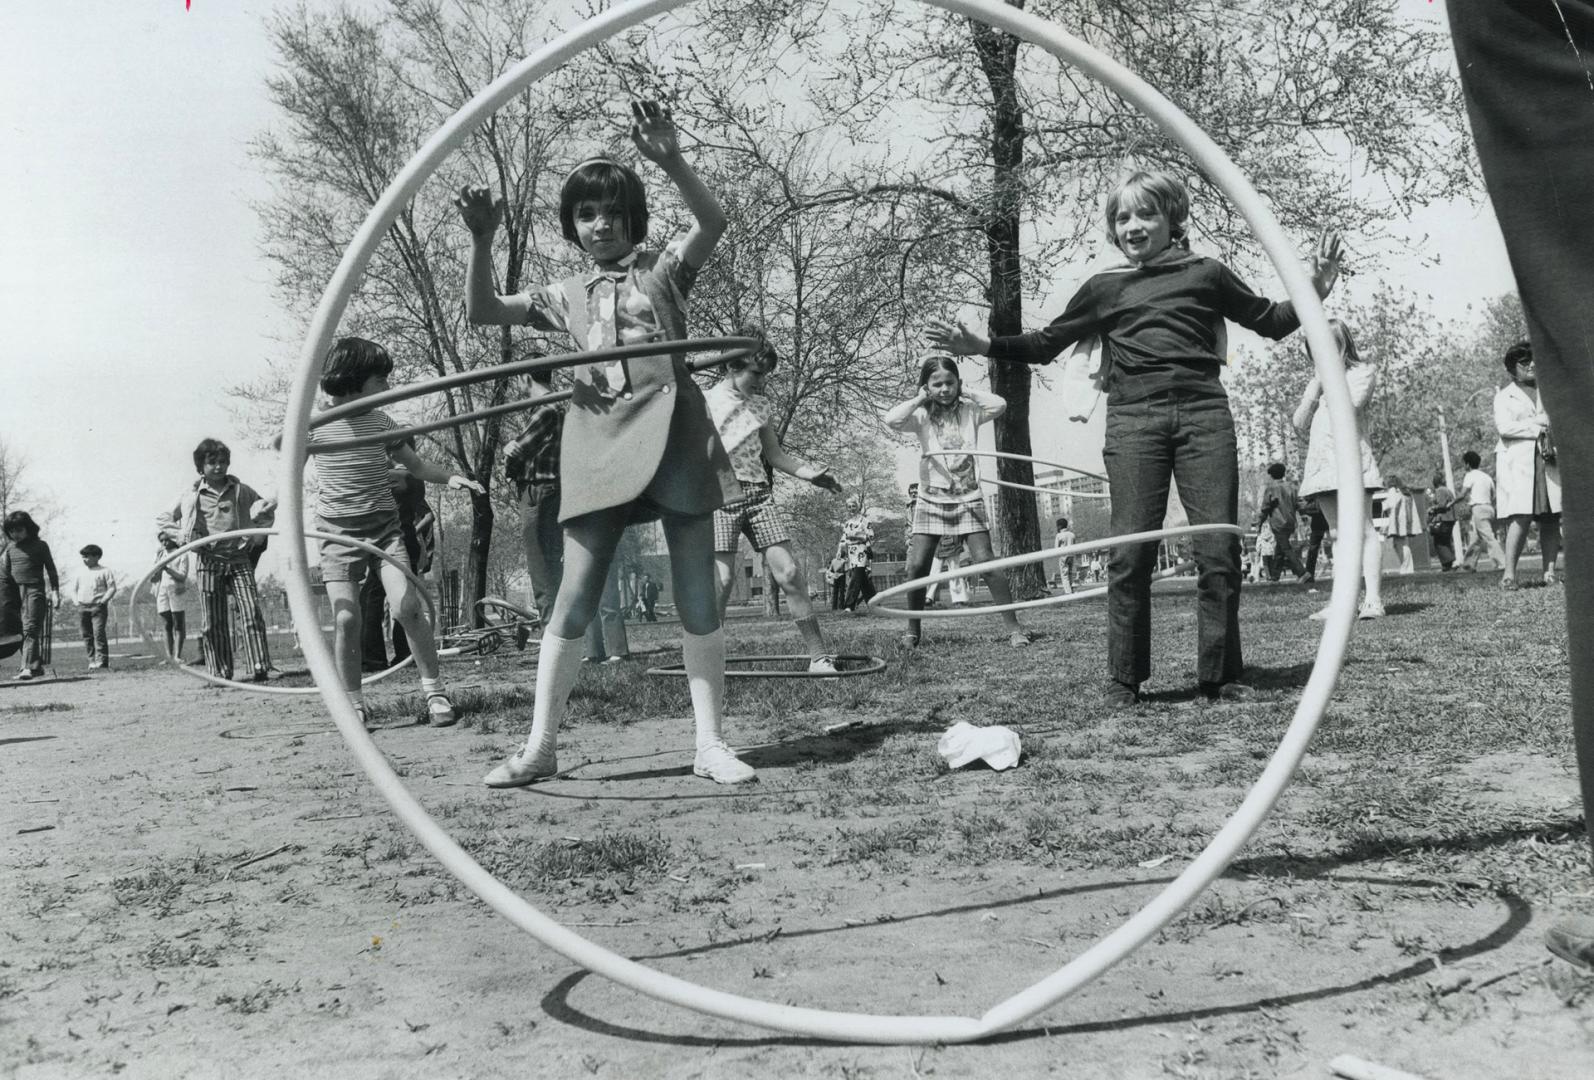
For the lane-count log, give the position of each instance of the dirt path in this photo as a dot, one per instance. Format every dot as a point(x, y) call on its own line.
point(199, 884)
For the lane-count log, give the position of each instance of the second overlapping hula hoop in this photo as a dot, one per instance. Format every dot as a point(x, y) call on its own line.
point(729, 348)
point(1032, 460)
point(877, 605)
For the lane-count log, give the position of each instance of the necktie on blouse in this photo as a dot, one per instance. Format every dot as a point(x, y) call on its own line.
point(603, 328)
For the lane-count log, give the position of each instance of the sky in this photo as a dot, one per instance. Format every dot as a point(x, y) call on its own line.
point(132, 289)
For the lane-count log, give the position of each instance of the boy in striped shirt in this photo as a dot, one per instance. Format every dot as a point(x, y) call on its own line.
point(354, 499)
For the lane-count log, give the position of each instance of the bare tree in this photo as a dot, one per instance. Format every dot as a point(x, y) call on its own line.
point(357, 91)
point(985, 155)
point(16, 490)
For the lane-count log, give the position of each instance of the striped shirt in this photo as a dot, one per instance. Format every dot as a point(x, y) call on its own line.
point(354, 482)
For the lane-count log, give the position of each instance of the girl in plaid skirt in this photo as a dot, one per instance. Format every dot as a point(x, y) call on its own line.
point(946, 416)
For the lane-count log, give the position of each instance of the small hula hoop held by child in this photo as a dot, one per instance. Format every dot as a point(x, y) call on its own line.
point(1160, 318)
point(637, 444)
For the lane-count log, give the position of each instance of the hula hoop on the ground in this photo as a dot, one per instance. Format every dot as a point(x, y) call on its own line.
point(877, 605)
point(873, 665)
point(824, 1023)
point(738, 346)
point(262, 688)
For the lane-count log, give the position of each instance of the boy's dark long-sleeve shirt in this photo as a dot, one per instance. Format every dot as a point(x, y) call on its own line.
point(29, 562)
point(1162, 324)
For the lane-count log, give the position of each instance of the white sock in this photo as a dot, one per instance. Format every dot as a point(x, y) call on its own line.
point(705, 676)
point(357, 698)
point(558, 664)
point(432, 686)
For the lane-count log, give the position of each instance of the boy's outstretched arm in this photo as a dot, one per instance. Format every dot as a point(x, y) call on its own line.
point(482, 214)
point(426, 472)
point(818, 475)
point(653, 132)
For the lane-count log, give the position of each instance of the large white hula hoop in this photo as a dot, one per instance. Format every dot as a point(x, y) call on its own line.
point(260, 688)
point(820, 1023)
point(877, 601)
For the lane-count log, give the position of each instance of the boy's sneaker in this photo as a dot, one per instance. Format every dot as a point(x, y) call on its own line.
point(1370, 611)
point(1018, 640)
point(260, 676)
point(716, 762)
point(521, 769)
point(25, 676)
point(823, 665)
point(440, 710)
point(1225, 692)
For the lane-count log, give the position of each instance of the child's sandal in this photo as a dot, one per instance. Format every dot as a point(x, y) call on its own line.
point(440, 710)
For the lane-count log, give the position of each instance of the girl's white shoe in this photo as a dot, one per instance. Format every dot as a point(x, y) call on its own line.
point(522, 769)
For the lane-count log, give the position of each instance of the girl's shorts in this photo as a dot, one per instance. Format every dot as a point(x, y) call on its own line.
point(755, 514)
point(950, 519)
point(344, 562)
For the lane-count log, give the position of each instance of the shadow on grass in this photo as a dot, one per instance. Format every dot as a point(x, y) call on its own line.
point(556, 1003)
point(806, 749)
point(44, 682)
point(1382, 847)
point(26, 738)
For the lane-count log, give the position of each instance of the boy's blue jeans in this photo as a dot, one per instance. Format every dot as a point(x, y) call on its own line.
point(1190, 439)
point(91, 620)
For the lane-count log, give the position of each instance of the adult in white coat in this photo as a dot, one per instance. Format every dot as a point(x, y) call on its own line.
point(1527, 483)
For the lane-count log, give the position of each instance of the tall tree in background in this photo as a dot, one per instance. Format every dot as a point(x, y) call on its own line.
point(357, 92)
point(989, 156)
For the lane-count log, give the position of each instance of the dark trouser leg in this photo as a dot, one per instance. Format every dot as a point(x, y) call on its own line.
point(1206, 467)
point(1525, 69)
point(85, 623)
point(373, 624)
point(35, 611)
point(102, 645)
point(1139, 459)
point(1441, 545)
point(1314, 542)
point(543, 541)
point(1285, 540)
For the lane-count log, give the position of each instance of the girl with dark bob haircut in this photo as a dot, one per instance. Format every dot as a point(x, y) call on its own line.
point(607, 183)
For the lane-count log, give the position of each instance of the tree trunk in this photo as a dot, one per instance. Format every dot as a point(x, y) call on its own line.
point(1018, 523)
point(482, 514)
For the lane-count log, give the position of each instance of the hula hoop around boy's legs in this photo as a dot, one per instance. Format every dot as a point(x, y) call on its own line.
point(930, 580)
point(172, 556)
point(738, 346)
point(816, 1022)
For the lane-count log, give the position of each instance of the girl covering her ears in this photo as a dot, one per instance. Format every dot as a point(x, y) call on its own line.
point(1161, 319)
point(638, 444)
point(1318, 478)
point(946, 415)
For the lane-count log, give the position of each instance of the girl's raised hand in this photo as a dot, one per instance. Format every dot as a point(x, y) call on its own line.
point(653, 131)
point(954, 337)
point(1325, 263)
point(481, 213)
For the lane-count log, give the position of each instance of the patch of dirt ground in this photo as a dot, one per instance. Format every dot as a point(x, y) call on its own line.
point(201, 883)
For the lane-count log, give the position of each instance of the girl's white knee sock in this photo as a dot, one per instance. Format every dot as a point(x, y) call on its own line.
point(558, 664)
point(705, 676)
